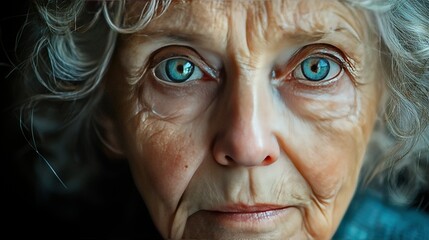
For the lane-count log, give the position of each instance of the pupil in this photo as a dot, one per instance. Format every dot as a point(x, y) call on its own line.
point(315, 67)
point(180, 69)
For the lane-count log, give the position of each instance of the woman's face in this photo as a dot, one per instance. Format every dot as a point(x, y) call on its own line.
point(245, 119)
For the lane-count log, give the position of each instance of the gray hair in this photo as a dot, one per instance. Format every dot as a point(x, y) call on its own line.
point(71, 44)
point(399, 153)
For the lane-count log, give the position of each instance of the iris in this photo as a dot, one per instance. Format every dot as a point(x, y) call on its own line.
point(315, 68)
point(178, 69)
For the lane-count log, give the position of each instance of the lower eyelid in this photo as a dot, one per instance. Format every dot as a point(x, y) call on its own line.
point(322, 83)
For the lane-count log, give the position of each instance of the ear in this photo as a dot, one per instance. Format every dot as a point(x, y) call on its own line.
point(107, 134)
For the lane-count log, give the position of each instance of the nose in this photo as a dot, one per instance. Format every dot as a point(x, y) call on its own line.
point(246, 137)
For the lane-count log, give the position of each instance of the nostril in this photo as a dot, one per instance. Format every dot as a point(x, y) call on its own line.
point(268, 160)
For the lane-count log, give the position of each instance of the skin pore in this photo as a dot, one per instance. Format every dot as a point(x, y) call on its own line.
point(246, 146)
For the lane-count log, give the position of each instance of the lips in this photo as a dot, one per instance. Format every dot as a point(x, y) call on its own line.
point(248, 214)
point(261, 220)
point(242, 208)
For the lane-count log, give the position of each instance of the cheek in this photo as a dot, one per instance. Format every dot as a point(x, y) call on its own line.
point(331, 160)
point(163, 159)
point(333, 156)
point(331, 133)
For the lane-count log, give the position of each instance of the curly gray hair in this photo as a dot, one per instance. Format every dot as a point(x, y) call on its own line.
point(70, 44)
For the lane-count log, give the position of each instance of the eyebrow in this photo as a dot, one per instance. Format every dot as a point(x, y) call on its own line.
point(319, 35)
point(174, 36)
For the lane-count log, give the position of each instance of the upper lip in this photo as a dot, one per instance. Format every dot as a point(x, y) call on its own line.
point(243, 208)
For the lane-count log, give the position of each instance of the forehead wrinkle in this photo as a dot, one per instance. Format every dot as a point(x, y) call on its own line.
point(208, 27)
point(257, 26)
point(312, 20)
point(295, 19)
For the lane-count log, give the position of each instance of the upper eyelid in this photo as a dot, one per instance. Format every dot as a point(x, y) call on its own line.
point(320, 50)
point(338, 55)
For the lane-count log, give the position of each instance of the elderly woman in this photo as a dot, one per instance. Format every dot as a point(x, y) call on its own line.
point(237, 119)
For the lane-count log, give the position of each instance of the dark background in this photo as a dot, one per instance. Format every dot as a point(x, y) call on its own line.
point(15, 194)
point(23, 212)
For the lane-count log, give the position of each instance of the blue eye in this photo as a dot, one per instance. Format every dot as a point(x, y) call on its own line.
point(317, 69)
point(177, 70)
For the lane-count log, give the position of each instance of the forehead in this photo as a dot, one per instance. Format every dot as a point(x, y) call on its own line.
point(293, 17)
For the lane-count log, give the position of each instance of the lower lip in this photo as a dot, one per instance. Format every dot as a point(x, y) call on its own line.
point(253, 220)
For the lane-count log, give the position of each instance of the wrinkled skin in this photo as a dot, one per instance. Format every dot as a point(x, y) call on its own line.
point(250, 148)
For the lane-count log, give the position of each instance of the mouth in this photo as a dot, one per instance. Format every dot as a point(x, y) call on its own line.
point(242, 208)
point(252, 217)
